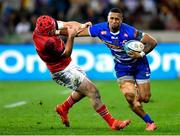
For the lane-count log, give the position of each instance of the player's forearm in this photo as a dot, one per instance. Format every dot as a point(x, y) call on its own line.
point(149, 42)
point(68, 47)
point(81, 28)
point(62, 27)
point(83, 33)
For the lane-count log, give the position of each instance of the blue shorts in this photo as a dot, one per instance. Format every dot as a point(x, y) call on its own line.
point(138, 70)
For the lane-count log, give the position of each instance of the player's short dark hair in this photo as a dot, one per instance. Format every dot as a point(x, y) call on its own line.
point(116, 10)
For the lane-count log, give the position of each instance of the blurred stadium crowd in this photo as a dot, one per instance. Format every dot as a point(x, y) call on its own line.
point(17, 17)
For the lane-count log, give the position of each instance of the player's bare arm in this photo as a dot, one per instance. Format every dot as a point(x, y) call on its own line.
point(149, 44)
point(62, 27)
point(70, 40)
point(84, 32)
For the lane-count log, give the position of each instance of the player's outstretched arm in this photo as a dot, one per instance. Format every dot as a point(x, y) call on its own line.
point(79, 27)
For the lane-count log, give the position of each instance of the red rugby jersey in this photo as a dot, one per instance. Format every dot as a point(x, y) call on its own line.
point(50, 50)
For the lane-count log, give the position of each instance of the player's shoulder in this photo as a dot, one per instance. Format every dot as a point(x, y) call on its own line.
point(126, 26)
point(36, 36)
point(33, 34)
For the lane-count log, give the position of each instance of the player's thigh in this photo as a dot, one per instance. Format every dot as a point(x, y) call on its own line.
point(71, 77)
point(144, 90)
point(126, 84)
point(126, 81)
point(127, 87)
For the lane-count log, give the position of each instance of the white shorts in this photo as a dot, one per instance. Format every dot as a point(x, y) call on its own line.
point(71, 77)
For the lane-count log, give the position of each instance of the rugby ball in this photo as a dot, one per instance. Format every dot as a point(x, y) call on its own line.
point(133, 45)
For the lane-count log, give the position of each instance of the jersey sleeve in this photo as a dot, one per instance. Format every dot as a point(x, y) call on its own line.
point(134, 33)
point(94, 30)
point(138, 35)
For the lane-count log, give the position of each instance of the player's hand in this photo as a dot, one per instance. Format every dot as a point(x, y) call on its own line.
point(83, 26)
point(134, 55)
point(86, 25)
point(72, 32)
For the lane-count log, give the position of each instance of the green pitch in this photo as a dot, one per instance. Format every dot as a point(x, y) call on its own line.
point(28, 108)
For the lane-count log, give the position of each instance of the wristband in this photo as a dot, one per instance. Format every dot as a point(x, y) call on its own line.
point(82, 26)
point(60, 24)
point(57, 32)
point(142, 54)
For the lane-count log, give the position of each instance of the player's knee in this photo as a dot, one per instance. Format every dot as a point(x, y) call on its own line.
point(130, 97)
point(147, 98)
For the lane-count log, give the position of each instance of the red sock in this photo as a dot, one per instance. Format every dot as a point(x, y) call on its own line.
point(68, 103)
point(103, 111)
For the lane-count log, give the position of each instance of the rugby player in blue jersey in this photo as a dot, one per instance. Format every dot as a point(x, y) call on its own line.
point(132, 70)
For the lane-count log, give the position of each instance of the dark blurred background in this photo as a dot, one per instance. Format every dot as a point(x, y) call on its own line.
point(18, 17)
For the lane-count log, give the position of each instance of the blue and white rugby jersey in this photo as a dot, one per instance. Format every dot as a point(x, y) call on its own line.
point(124, 65)
point(125, 33)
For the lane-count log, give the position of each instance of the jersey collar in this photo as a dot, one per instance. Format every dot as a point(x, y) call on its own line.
point(115, 33)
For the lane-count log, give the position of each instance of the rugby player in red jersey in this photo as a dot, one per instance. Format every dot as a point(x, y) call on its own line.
point(56, 56)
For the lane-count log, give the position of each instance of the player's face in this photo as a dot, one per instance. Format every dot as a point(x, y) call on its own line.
point(114, 20)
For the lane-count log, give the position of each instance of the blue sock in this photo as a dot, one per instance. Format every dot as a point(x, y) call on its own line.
point(147, 119)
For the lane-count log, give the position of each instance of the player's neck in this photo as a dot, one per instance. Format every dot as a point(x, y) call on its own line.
point(114, 31)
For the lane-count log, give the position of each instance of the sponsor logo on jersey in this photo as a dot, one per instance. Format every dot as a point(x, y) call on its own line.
point(147, 74)
point(103, 32)
point(114, 38)
point(125, 35)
